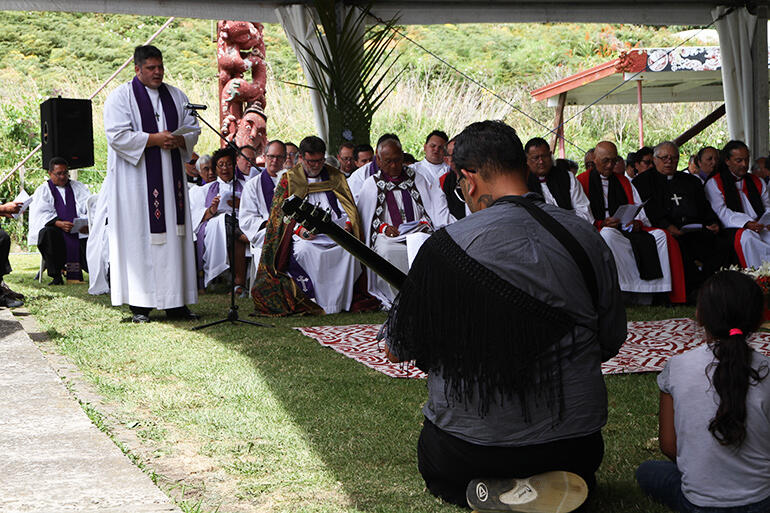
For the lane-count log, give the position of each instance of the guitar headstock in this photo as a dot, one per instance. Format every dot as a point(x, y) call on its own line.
point(312, 217)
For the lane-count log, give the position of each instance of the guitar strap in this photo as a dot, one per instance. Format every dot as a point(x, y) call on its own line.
point(564, 237)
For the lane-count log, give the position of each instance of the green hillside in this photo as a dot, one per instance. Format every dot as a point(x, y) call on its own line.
point(47, 54)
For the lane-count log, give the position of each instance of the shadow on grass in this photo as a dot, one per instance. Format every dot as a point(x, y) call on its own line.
point(365, 425)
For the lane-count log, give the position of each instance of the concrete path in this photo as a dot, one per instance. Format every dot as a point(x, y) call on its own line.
point(52, 458)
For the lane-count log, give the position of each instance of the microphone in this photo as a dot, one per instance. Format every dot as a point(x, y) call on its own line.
point(195, 106)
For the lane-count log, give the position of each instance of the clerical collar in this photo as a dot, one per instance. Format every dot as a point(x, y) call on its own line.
point(669, 177)
point(604, 178)
point(541, 179)
point(736, 178)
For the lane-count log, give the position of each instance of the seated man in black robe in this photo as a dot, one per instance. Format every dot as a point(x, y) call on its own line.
point(676, 202)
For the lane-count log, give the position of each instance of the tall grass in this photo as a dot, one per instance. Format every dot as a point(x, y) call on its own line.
point(422, 101)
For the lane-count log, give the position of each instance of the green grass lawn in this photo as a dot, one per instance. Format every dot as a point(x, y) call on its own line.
point(264, 419)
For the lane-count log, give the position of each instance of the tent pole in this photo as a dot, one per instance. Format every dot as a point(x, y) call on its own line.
point(760, 86)
point(558, 136)
point(639, 109)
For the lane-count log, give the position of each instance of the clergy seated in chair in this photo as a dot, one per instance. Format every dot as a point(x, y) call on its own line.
point(55, 206)
point(557, 185)
point(211, 210)
point(299, 272)
point(641, 253)
point(740, 199)
point(676, 202)
point(257, 197)
point(397, 205)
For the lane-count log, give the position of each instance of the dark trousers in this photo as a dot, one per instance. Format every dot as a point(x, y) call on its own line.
point(145, 310)
point(448, 464)
point(5, 250)
point(50, 242)
point(712, 251)
point(662, 481)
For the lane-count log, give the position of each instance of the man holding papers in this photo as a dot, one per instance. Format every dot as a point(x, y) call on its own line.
point(152, 258)
point(675, 201)
point(641, 253)
point(397, 203)
point(741, 201)
point(57, 206)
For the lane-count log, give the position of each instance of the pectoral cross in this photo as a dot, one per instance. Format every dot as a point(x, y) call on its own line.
point(302, 280)
point(157, 117)
point(676, 199)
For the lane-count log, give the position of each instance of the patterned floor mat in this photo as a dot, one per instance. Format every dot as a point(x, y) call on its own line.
point(648, 346)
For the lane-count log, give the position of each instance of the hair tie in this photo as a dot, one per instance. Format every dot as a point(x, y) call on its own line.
point(735, 331)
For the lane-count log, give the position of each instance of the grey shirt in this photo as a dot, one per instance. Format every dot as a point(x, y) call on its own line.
point(506, 239)
point(715, 475)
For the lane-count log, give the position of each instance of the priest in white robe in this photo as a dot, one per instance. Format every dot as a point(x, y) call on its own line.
point(641, 252)
point(257, 199)
point(211, 206)
point(433, 166)
point(740, 199)
point(358, 177)
point(397, 206)
point(300, 272)
point(152, 256)
point(56, 205)
point(558, 186)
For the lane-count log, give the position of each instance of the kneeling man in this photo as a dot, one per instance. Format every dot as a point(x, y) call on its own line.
point(511, 311)
point(392, 200)
point(55, 205)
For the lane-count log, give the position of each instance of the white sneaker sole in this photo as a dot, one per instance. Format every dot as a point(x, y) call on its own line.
point(550, 492)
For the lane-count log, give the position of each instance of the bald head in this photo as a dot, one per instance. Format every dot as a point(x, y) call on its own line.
point(390, 157)
point(605, 155)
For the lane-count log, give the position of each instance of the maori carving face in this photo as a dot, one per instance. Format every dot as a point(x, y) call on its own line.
point(252, 132)
point(242, 80)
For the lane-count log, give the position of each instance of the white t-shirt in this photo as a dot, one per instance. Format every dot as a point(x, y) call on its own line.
point(715, 475)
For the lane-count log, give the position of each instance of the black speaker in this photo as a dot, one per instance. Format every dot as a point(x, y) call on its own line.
point(66, 130)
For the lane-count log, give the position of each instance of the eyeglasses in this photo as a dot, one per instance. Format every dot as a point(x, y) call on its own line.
point(667, 158)
point(346, 159)
point(314, 162)
point(275, 157)
point(538, 158)
point(224, 165)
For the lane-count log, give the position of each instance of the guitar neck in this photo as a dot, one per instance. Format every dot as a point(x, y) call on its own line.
point(366, 256)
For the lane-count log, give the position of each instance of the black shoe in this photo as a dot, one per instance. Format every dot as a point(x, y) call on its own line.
point(57, 281)
point(140, 318)
point(8, 292)
point(10, 302)
point(182, 313)
point(556, 491)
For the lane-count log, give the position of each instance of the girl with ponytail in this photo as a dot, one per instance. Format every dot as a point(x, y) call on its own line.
point(715, 410)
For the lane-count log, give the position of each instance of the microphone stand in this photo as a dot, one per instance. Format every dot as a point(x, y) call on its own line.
point(232, 313)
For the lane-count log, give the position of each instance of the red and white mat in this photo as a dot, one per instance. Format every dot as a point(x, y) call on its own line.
point(648, 346)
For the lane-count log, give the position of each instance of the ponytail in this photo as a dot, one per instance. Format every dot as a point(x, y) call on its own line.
point(730, 308)
point(732, 377)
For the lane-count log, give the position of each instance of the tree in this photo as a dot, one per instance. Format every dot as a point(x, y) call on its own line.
point(352, 71)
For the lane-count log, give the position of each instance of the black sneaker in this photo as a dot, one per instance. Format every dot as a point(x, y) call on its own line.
point(9, 302)
point(8, 292)
point(550, 492)
point(140, 318)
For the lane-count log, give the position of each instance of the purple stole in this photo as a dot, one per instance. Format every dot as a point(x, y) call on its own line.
point(153, 163)
point(295, 270)
point(268, 188)
point(68, 212)
point(372, 169)
point(201, 233)
point(390, 200)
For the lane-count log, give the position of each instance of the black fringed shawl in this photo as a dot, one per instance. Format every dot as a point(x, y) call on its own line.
point(558, 183)
point(732, 197)
point(481, 333)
